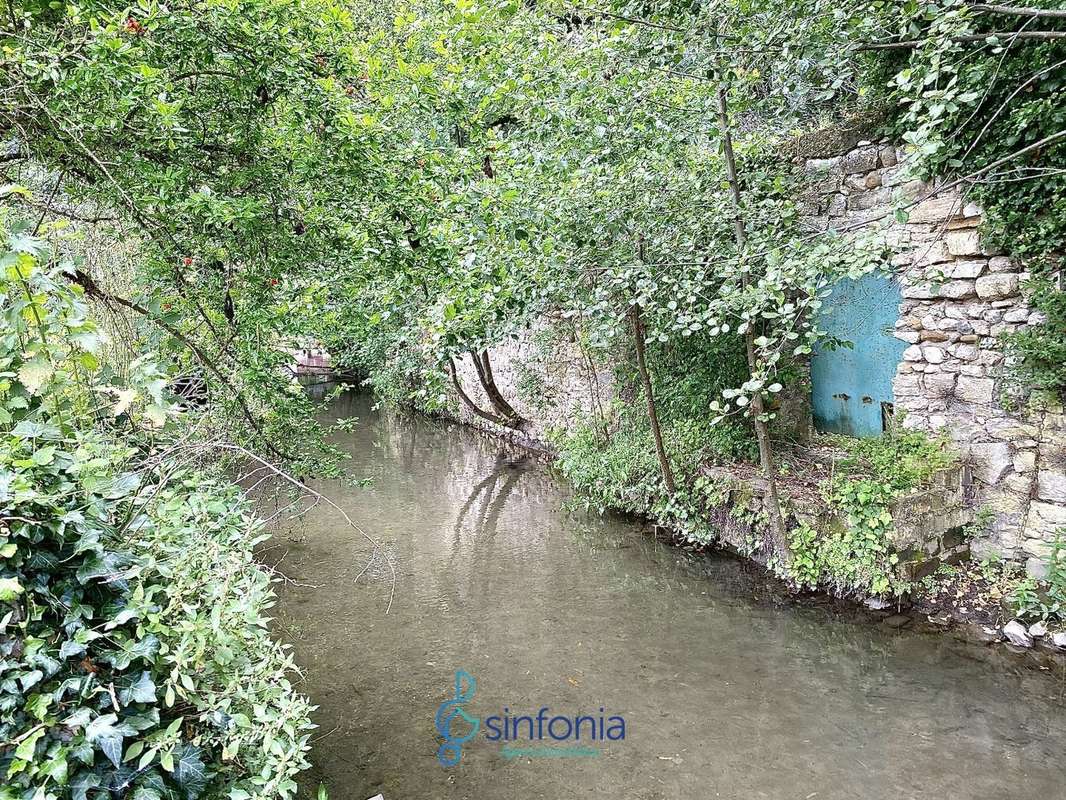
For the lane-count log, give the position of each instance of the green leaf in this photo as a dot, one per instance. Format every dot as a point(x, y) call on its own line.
point(190, 771)
point(10, 588)
point(102, 734)
point(27, 746)
point(34, 374)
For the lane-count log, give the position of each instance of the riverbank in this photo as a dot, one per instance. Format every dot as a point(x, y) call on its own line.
point(967, 599)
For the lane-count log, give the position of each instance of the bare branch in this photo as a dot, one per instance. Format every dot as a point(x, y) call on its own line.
point(910, 44)
point(1017, 11)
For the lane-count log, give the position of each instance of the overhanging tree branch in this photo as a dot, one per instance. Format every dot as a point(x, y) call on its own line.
point(94, 290)
point(910, 44)
point(1017, 11)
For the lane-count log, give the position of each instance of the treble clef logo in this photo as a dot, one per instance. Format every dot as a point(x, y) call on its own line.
point(449, 753)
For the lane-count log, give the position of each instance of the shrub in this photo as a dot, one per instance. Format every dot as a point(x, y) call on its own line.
point(1046, 599)
point(134, 656)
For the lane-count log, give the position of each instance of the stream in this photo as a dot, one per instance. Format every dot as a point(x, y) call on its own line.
point(724, 689)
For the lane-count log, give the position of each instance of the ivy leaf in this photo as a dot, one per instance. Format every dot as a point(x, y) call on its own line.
point(26, 747)
point(10, 588)
point(142, 648)
point(83, 782)
point(190, 772)
point(103, 734)
point(136, 690)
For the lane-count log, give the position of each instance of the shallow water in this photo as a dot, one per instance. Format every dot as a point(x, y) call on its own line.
point(725, 691)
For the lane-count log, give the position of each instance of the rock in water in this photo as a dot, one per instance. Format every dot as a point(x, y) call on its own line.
point(1017, 635)
point(1038, 629)
point(1059, 640)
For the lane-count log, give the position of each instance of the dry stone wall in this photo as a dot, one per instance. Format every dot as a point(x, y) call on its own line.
point(959, 296)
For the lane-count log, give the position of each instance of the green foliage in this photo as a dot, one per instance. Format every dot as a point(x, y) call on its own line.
point(901, 460)
point(1046, 599)
point(217, 137)
point(134, 656)
point(964, 105)
point(621, 471)
point(1038, 353)
point(857, 555)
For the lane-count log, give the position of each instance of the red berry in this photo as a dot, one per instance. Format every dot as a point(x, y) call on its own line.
point(273, 281)
point(187, 261)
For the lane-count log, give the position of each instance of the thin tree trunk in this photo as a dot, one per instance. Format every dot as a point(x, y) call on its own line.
point(762, 432)
point(653, 415)
point(498, 400)
point(483, 366)
point(466, 398)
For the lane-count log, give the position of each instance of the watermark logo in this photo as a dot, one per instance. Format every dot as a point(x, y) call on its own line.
point(449, 753)
point(553, 735)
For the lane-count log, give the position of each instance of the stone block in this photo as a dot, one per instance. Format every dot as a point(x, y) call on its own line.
point(918, 291)
point(935, 209)
point(1051, 517)
point(934, 336)
point(1024, 461)
point(964, 242)
point(869, 199)
point(913, 353)
point(905, 385)
point(959, 290)
point(1001, 264)
point(970, 268)
point(991, 461)
point(1036, 548)
point(997, 286)
point(941, 384)
point(933, 355)
point(861, 159)
point(1036, 568)
point(855, 182)
point(932, 253)
point(975, 390)
point(822, 165)
point(1051, 485)
point(888, 156)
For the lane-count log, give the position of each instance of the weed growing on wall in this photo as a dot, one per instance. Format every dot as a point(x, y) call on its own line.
point(1045, 599)
point(855, 555)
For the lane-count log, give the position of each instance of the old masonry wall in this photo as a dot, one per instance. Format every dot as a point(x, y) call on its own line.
point(958, 294)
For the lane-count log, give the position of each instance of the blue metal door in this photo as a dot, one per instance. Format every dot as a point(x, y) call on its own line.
point(851, 388)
